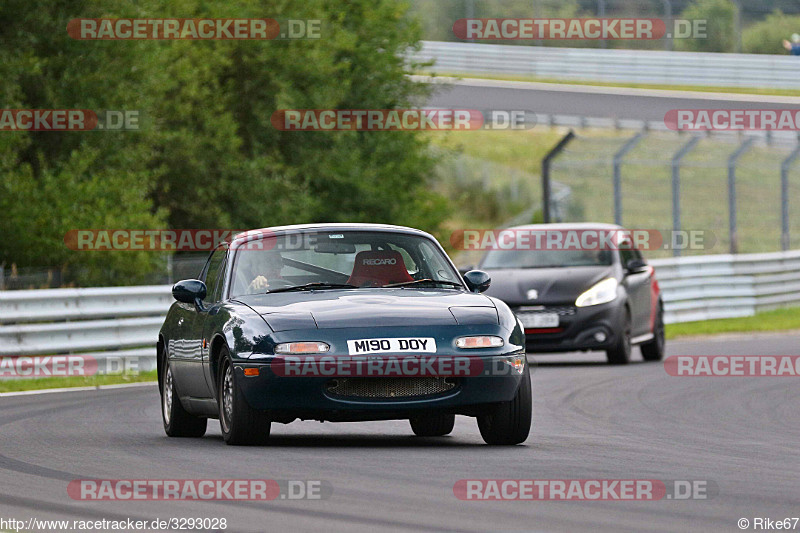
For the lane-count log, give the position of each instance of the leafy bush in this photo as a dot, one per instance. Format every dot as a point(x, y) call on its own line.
point(766, 36)
point(720, 18)
point(207, 155)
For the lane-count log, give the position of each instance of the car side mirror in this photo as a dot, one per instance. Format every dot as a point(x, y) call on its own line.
point(635, 266)
point(189, 291)
point(477, 280)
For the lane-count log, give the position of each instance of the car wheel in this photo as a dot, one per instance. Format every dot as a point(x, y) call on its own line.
point(509, 422)
point(654, 350)
point(177, 421)
point(240, 423)
point(436, 425)
point(620, 354)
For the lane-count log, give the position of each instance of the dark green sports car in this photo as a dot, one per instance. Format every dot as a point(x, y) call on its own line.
point(340, 323)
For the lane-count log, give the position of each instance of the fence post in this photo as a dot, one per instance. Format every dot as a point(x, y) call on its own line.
point(469, 8)
point(732, 160)
point(785, 166)
point(557, 149)
point(629, 145)
point(676, 187)
point(668, 43)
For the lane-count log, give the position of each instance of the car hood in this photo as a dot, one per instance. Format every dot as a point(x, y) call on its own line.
point(553, 286)
point(371, 308)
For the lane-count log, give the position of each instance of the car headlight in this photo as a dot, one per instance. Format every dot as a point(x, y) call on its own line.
point(479, 341)
point(294, 348)
point(601, 293)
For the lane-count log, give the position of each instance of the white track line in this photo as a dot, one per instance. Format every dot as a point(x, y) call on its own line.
point(76, 389)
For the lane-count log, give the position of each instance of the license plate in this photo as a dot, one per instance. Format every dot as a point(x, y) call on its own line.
point(402, 345)
point(539, 320)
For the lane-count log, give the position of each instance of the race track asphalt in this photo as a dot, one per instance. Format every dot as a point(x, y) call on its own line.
point(590, 101)
point(591, 421)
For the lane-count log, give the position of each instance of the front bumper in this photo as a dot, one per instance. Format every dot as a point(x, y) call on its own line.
point(577, 328)
point(309, 397)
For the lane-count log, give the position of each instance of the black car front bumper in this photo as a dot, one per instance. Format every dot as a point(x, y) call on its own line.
point(578, 328)
point(286, 398)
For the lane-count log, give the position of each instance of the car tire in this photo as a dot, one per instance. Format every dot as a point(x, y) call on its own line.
point(177, 421)
point(241, 425)
point(509, 422)
point(654, 349)
point(436, 425)
point(620, 354)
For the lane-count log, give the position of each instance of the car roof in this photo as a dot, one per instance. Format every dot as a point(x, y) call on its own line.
point(346, 226)
point(569, 225)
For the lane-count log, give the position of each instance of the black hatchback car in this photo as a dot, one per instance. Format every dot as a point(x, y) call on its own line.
point(602, 298)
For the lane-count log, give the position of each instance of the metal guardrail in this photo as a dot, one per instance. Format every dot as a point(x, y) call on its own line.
point(82, 304)
point(123, 322)
point(110, 322)
point(727, 286)
point(625, 66)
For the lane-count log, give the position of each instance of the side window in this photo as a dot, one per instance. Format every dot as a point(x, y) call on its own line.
point(214, 273)
point(627, 255)
point(216, 294)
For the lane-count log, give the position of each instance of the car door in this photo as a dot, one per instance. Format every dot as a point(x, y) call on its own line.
point(190, 371)
point(213, 302)
point(637, 284)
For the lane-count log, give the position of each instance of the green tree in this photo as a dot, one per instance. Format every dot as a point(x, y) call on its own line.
point(52, 182)
point(767, 36)
point(207, 155)
point(720, 18)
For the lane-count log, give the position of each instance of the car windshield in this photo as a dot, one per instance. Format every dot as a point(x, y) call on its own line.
point(340, 260)
point(545, 258)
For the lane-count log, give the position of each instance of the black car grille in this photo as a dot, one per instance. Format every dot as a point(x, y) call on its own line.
point(390, 387)
point(561, 310)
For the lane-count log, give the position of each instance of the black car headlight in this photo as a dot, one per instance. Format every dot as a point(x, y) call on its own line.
point(601, 293)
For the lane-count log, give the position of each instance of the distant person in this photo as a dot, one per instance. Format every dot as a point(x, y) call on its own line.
point(794, 46)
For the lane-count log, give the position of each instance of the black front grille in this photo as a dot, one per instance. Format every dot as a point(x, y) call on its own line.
point(560, 310)
point(390, 387)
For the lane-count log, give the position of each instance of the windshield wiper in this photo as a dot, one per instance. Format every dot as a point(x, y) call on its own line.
point(426, 280)
point(314, 286)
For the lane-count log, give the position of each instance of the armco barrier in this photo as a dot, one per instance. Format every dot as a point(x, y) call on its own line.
point(725, 286)
point(611, 65)
point(119, 322)
point(124, 321)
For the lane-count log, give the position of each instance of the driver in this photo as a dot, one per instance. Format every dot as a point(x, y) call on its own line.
point(266, 266)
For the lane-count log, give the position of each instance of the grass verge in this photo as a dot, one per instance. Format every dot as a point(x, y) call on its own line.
point(586, 167)
point(777, 320)
point(15, 385)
